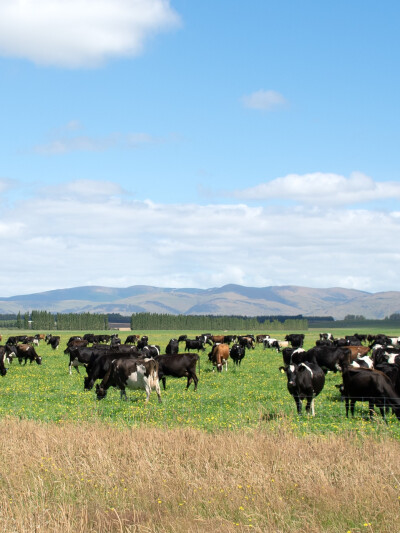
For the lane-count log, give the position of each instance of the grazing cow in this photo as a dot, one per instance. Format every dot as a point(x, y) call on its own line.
point(261, 338)
point(78, 358)
point(325, 337)
point(305, 380)
point(178, 366)
point(217, 338)
point(72, 344)
point(295, 339)
point(271, 343)
point(219, 356)
point(99, 364)
point(25, 352)
point(237, 353)
point(372, 386)
point(172, 347)
point(247, 341)
point(53, 340)
point(133, 374)
point(194, 344)
point(132, 339)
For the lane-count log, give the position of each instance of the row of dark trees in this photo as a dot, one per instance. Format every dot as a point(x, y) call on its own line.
point(47, 321)
point(158, 321)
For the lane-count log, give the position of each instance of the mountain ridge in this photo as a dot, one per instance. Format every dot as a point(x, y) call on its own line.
point(230, 299)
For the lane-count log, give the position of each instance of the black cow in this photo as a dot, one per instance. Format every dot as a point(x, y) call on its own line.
point(132, 339)
point(193, 344)
point(25, 352)
point(178, 366)
point(246, 340)
point(305, 380)
point(295, 339)
point(3, 370)
point(237, 353)
point(132, 374)
point(182, 338)
point(99, 364)
point(172, 347)
point(151, 350)
point(328, 357)
point(372, 386)
point(53, 340)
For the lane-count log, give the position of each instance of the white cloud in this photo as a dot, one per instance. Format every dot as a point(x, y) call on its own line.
point(76, 33)
point(323, 189)
point(264, 100)
point(93, 233)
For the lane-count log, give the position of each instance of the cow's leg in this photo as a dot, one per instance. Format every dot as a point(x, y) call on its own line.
point(298, 404)
point(347, 401)
point(352, 406)
point(158, 391)
point(164, 382)
point(70, 369)
point(123, 395)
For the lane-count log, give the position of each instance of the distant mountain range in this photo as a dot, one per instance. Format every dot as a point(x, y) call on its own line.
point(227, 300)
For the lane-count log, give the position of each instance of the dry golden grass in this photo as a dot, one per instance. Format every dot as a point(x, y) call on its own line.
point(94, 478)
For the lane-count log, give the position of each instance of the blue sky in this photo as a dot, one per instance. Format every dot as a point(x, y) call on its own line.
point(188, 143)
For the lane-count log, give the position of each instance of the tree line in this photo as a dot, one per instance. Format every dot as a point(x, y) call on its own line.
point(159, 321)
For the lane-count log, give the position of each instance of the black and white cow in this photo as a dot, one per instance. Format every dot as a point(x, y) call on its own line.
point(305, 381)
point(134, 374)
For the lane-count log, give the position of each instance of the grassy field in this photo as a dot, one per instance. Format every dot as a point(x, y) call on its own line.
point(250, 396)
point(233, 456)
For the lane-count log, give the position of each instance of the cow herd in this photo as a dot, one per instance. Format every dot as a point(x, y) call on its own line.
point(369, 365)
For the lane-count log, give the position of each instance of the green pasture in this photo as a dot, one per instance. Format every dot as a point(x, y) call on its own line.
point(253, 395)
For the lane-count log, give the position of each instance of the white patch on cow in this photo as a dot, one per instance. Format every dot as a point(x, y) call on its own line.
point(308, 368)
point(292, 368)
point(391, 357)
point(298, 350)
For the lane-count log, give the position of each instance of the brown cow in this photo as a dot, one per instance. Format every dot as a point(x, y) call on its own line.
point(356, 351)
point(219, 355)
point(217, 338)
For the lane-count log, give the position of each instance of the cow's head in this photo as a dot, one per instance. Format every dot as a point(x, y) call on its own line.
point(3, 371)
point(38, 359)
point(100, 392)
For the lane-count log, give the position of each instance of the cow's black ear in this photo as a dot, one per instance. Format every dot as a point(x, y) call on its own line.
point(282, 369)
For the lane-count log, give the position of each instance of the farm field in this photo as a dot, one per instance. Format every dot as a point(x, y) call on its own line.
point(233, 456)
point(253, 395)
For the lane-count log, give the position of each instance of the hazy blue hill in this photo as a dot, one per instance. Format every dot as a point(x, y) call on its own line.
point(231, 299)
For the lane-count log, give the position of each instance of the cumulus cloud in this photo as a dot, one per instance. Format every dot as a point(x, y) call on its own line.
point(72, 33)
point(264, 100)
point(320, 188)
point(114, 240)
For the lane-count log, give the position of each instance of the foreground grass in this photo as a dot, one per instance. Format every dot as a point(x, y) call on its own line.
point(95, 478)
